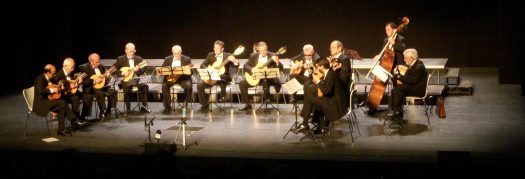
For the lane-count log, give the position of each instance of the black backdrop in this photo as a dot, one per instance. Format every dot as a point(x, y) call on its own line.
point(468, 33)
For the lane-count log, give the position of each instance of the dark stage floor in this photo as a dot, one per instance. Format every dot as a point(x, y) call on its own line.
point(480, 133)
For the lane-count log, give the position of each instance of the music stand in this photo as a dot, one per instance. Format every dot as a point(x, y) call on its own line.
point(113, 84)
point(210, 74)
point(292, 87)
point(385, 77)
point(264, 74)
point(138, 81)
point(172, 71)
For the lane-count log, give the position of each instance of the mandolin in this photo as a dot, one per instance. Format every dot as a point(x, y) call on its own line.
point(57, 94)
point(130, 71)
point(101, 78)
point(73, 84)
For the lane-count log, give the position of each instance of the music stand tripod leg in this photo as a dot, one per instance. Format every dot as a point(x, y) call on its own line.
point(296, 123)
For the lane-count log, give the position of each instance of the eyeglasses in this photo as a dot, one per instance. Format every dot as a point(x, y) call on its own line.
point(308, 55)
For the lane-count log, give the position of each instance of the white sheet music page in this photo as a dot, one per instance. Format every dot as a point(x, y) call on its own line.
point(379, 72)
point(292, 86)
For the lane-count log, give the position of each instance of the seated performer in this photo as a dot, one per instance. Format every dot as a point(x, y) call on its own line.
point(47, 98)
point(343, 67)
point(302, 66)
point(325, 95)
point(216, 59)
point(413, 82)
point(96, 73)
point(263, 58)
point(71, 83)
point(177, 59)
point(130, 65)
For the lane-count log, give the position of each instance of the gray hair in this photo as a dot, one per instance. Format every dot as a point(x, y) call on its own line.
point(308, 47)
point(411, 52)
point(176, 47)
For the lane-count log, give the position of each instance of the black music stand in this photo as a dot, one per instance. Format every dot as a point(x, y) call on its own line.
point(113, 84)
point(263, 75)
point(138, 81)
point(170, 71)
point(207, 74)
point(292, 87)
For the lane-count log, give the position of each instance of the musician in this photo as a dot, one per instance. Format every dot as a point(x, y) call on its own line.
point(67, 77)
point(331, 104)
point(397, 43)
point(42, 105)
point(92, 68)
point(132, 61)
point(340, 63)
point(263, 56)
point(302, 66)
point(177, 59)
point(217, 57)
point(412, 83)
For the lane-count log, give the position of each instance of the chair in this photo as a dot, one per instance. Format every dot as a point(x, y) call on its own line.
point(29, 96)
point(351, 116)
point(414, 99)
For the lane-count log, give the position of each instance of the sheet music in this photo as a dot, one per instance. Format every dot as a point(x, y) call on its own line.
point(209, 74)
point(381, 73)
point(266, 73)
point(292, 86)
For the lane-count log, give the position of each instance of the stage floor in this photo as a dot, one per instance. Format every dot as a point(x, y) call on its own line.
point(486, 127)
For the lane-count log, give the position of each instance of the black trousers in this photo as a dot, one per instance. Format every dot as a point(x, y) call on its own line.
point(185, 83)
point(62, 109)
point(74, 100)
point(244, 85)
point(202, 86)
point(142, 90)
point(100, 94)
point(399, 93)
point(313, 103)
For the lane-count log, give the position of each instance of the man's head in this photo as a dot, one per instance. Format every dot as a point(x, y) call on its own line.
point(262, 48)
point(410, 55)
point(49, 70)
point(322, 64)
point(177, 51)
point(218, 47)
point(69, 65)
point(335, 47)
point(130, 49)
point(94, 59)
point(389, 28)
point(308, 51)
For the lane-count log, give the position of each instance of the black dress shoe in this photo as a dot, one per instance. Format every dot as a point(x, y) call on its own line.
point(204, 109)
point(246, 107)
point(302, 128)
point(64, 132)
point(77, 124)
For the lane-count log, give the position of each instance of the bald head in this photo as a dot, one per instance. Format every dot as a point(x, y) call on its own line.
point(68, 65)
point(49, 70)
point(130, 49)
point(94, 59)
point(336, 47)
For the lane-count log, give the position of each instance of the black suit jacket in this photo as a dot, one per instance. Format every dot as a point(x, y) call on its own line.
point(415, 79)
point(185, 60)
point(87, 83)
point(40, 107)
point(345, 71)
point(122, 61)
point(60, 75)
point(399, 47)
point(210, 59)
point(254, 58)
point(334, 95)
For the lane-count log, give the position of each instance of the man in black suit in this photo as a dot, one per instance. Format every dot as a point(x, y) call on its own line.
point(65, 75)
point(218, 56)
point(42, 105)
point(177, 59)
point(302, 65)
point(132, 61)
point(412, 83)
point(331, 104)
point(263, 56)
point(91, 68)
point(397, 43)
point(340, 63)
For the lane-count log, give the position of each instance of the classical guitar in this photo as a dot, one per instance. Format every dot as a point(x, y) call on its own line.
point(57, 94)
point(131, 72)
point(250, 77)
point(220, 65)
point(99, 80)
point(299, 67)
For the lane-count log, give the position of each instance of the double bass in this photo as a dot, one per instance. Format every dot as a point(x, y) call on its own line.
point(387, 62)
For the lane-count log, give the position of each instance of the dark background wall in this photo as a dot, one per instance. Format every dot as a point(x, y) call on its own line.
point(469, 34)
